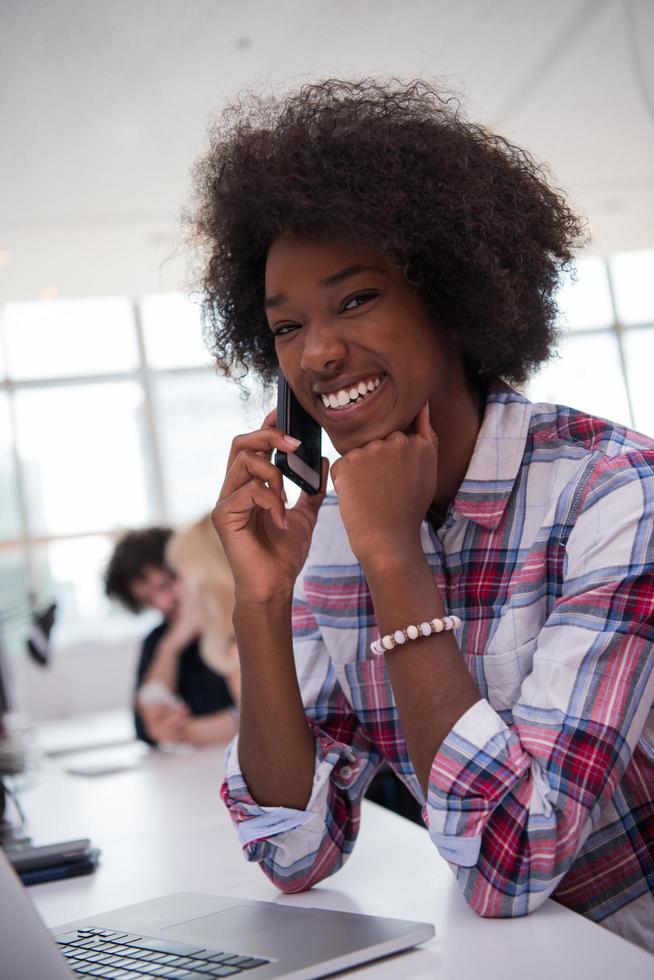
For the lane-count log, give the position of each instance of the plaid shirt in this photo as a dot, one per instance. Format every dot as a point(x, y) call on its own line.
point(545, 786)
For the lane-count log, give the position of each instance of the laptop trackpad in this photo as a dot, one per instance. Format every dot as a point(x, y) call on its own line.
point(262, 931)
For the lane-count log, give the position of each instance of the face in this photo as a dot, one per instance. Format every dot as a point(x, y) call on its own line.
point(356, 343)
point(157, 589)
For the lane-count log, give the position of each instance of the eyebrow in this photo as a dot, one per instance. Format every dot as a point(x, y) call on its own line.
point(351, 270)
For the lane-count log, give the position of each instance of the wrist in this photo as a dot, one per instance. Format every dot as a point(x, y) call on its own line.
point(172, 644)
point(247, 609)
point(403, 592)
point(262, 623)
point(399, 562)
point(254, 600)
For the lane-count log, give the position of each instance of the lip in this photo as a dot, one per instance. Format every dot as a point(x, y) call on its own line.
point(334, 414)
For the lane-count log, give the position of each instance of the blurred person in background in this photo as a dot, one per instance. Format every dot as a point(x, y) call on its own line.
point(187, 685)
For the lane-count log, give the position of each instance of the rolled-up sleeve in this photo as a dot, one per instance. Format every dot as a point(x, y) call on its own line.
point(297, 848)
point(514, 795)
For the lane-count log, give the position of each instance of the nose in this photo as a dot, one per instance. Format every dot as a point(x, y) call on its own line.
point(324, 348)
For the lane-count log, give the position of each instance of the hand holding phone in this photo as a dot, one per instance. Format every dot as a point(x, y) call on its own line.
point(266, 541)
point(304, 465)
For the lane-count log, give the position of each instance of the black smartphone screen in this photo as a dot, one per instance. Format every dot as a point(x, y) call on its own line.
point(303, 466)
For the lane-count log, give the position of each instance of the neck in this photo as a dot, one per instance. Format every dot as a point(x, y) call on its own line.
point(457, 436)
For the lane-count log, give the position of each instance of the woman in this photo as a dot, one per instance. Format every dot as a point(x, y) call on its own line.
point(188, 675)
point(207, 586)
point(400, 264)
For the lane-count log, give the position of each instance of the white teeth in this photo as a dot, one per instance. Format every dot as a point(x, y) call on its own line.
point(342, 398)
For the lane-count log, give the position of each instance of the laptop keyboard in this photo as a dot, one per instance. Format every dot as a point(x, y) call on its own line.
point(96, 952)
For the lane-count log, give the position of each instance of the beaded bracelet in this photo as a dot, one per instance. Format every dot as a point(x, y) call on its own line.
point(379, 647)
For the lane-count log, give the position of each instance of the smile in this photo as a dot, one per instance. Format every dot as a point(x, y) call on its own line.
point(353, 394)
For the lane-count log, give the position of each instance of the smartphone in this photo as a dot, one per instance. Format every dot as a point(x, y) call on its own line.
point(304, 466)
point(70, 869)
point(29, 858)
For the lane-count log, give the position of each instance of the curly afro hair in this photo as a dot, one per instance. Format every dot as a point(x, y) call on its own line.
point(468, 216)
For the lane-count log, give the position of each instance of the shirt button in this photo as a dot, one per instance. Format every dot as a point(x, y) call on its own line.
point(346, 772)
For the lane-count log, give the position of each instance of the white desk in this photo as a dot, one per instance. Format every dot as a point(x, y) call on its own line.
point(163, 828)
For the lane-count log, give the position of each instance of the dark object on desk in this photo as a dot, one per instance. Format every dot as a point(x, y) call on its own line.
point(51, 862)
point(38, 640)
point(70, 869)
point(27, 857)
point(12, 825)
point(4, 689)
point(20, 606)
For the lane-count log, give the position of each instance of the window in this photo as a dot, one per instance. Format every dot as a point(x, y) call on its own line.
point(9, 516)
point(633, 278)
point(82, 450)
point(173, 332)
point(112, 417)
point(586, 374)
point(605, 356)
point(60, 338)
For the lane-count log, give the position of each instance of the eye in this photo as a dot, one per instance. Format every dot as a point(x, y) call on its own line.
point(280, 329)
point(358, 299)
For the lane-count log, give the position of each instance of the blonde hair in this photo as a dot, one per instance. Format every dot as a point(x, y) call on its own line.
point(197, 557)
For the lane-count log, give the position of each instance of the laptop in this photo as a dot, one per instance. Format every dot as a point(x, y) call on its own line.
point(193, 937)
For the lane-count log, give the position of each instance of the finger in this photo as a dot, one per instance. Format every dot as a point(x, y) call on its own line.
point(309, 503)
point(422, 426)
point(248, 465)
point(262, 440)
point(236, 510)
point(270, 422)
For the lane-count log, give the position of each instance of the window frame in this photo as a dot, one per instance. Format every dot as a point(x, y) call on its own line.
point(143, 375)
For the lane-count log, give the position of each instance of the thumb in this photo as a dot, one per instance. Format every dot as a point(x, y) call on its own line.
point(422, 426)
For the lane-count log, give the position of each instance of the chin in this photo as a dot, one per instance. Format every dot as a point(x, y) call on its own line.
point(344, 443)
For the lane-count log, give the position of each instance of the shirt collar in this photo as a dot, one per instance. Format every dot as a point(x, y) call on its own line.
point(496, 458)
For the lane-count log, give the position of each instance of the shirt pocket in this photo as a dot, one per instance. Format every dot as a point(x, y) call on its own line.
point(500, 674)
